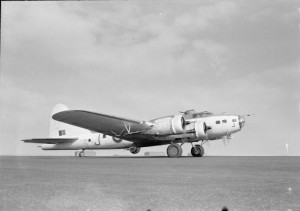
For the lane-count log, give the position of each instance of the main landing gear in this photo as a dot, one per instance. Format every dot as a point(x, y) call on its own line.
point(174, 150)
point(197, 151)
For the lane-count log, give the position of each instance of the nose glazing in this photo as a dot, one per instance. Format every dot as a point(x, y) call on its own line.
point(241, 121)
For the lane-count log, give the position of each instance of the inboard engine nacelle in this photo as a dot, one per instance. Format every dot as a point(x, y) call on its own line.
point(200, 129)
point(170, 125)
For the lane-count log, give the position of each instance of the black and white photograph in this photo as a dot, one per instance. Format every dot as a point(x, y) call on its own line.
point(150, 105)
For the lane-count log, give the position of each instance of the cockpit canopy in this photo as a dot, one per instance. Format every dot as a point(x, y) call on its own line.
point(189, 114)
point(204, 114)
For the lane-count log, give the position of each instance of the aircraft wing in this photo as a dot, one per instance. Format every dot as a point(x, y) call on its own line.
point(102, 123)
point(49, 140)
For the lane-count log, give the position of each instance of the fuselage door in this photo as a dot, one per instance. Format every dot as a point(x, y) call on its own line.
point(97, 141)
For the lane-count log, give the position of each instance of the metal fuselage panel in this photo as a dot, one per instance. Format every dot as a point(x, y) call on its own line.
point(227, 125)
point(92, 141)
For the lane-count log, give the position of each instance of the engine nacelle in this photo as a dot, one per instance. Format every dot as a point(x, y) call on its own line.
point(200, 129)
point(168, 125)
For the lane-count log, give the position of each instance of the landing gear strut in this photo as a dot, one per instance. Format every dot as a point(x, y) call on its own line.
point(197, 151)
point(174, 150)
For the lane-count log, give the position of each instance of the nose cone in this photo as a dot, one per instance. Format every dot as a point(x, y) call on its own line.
point(242, 121)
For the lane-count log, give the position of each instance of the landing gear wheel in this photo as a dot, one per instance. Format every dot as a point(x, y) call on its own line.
point(81, 154)
point(134, 150)
point(174, 150)
point(197, 151)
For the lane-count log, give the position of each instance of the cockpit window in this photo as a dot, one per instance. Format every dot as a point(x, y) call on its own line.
point(224, 121)
point(204, 114)
point(192, 114)
point(218, 122)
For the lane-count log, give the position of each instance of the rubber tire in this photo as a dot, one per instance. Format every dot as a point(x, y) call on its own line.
point(197, 151)
point(117, 140)
point(174, 150)
point(202, 151)
point(137, 150)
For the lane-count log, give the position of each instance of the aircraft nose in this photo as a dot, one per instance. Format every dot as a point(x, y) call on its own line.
point(242, 121)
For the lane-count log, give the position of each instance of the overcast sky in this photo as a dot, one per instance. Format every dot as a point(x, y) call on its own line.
point(146, 59)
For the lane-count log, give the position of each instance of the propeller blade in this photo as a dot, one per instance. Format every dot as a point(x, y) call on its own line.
point(224, 140)
point(208, 143)
point(228, 141)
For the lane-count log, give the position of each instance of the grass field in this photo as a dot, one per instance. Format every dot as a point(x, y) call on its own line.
point(155, 183)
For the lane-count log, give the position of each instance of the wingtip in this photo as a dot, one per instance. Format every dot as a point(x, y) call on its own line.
point(56, 115)
point(25, 140)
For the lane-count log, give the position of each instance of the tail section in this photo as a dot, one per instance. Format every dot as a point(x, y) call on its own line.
point(63, 130)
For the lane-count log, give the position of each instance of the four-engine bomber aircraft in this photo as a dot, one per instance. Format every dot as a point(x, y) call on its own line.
point(78, 129)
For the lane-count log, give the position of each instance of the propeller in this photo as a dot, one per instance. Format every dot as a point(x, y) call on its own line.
point(226, 139)
point(242, 119)
point(208, 143)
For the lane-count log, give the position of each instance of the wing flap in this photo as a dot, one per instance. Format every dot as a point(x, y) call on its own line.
point(49, 140)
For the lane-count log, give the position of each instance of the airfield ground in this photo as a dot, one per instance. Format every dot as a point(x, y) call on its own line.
point(154, 183)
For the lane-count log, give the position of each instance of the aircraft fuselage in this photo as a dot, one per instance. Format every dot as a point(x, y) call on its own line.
point(218, 126)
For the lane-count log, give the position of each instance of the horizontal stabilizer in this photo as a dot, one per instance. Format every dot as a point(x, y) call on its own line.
point(49, 140)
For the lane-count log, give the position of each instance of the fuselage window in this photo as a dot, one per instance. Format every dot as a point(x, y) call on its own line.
point(234, 120)
point(224, 121)
point(89, 140)
point(61, 132)
point(218, 122)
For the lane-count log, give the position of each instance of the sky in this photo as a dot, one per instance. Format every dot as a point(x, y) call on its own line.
point(146, 59)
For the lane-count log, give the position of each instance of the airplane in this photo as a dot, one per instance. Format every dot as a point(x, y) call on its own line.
point(85, 130)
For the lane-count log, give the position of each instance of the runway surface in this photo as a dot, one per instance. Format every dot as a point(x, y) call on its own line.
point(154, 183)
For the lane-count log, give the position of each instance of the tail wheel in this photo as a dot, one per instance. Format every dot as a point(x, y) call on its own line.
point(197, 151)
point(134, 150)
point(174, 150)
point(81, 154)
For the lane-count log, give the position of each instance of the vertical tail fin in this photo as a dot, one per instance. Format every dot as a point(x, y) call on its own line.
point(63, 130)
